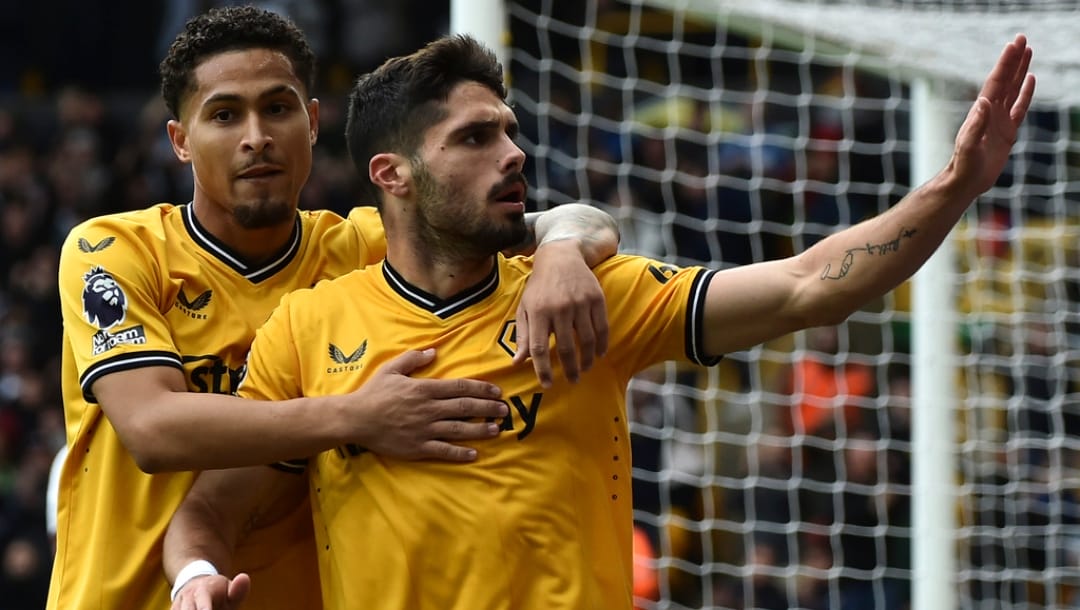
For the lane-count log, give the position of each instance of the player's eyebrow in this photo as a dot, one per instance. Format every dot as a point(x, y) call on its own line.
point(223, 97)
point(484, 125)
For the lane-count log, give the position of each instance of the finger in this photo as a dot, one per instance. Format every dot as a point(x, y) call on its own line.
point(600, 327)
point(464, 408)
point(409, 361)
point(441, 450)
point(586, 338)
point(456, 430)
point(521, 333)
point(1002, 75)
point(1022, 71)
point(540, 351)
point(1020, 108)
point(974, 126)
point(239, 588)
point(1017, 78)
point(565, 345)
point(457, 388)
point(202, 600)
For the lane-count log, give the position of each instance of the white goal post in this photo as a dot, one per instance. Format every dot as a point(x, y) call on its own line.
point(1007, 269)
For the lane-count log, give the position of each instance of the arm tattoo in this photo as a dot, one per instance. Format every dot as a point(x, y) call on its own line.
point(881, 249)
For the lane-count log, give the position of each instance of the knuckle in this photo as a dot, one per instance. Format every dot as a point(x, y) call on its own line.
point(463, 407)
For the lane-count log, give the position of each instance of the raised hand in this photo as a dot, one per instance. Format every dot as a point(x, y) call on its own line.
point(988, 133)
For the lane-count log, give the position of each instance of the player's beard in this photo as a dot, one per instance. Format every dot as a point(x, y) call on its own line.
point(451, 224)
point(263, 214)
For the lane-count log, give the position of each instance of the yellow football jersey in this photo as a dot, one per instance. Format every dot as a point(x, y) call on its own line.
point(543, 519)
point(154, 288)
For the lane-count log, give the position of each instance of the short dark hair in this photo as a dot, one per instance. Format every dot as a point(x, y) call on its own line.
point(392, 107)
point(231, 28)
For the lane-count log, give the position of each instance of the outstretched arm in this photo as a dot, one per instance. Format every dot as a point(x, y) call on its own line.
point(562, 296)
point(835, 277)
point(220, 509)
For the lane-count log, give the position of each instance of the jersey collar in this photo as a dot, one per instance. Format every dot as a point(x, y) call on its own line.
point(443, 308)
point(223, 253)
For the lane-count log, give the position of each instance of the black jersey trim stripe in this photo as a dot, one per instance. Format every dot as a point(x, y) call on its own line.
point(222, 252)
point(290, 466)
point(124, 362)
point(695, 320)
point(443, 308)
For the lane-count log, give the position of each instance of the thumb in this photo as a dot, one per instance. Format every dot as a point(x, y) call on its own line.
point(238, 588)
point(409, 361)
point(976, 122)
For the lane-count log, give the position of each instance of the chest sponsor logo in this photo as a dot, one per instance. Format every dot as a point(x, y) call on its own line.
point(104, 340)
point(86, 246)
point(104, 302)
point(345, 362)
point(210, 374)
point(526, 410)
point(192, 307)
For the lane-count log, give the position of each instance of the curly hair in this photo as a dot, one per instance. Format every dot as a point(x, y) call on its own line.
point(230, 29)
point(392, 107)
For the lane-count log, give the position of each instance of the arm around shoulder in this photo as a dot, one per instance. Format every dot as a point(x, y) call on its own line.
point(593, 231)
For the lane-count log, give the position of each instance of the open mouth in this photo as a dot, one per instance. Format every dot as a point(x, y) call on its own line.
point(514, 193)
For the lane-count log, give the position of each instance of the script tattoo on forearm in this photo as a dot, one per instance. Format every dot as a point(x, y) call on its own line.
point(880, 249)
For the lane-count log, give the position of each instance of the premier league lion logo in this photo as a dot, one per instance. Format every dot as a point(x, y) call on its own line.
point(104, 303)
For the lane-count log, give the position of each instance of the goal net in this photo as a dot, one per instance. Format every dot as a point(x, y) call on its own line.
point(723, 133)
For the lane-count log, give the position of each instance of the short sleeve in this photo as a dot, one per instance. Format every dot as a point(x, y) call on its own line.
point(655, 311)
point(111, 299)
point(369, 227)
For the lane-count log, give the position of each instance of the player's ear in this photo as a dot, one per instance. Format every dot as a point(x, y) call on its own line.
point(313, 119)
point(178, 139)
point(391, 173)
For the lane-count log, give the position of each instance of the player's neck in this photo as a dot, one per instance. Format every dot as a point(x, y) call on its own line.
point(442, 276)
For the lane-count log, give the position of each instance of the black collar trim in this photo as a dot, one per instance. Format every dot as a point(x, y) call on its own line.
point(220, 251)
point(443, 308)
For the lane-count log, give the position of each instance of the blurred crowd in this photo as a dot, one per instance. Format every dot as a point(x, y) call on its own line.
point(807, 498)
point(82, 133)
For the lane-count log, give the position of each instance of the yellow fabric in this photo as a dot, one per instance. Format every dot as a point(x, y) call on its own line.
point(150, 288)
point(543, 519)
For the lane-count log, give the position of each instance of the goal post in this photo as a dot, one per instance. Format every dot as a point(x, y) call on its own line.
point(722, 133)
point(933, 316)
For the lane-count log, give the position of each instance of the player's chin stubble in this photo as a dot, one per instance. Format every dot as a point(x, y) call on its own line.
point(262, 214)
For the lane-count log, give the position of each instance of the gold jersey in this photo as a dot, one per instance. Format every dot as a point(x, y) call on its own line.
point(154, 288)
point(543, 519)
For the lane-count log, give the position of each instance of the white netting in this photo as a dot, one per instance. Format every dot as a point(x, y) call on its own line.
point(719, 134)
